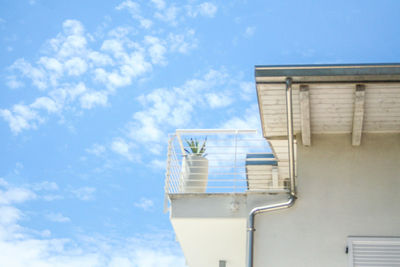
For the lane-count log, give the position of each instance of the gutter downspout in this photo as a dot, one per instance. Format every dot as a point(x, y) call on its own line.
point(292, 196)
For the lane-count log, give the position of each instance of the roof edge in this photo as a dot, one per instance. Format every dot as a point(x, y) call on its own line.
point(329, 73)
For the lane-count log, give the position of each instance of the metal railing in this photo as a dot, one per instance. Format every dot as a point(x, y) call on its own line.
point(233, 161)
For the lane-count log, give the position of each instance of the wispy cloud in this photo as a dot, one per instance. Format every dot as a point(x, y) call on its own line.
point(249, 32)
point(84, 193)
point(145, 204)
point(96, 149)
point(160, 4)
point(67, 57)
point(9, 215)
point(249, 120)
point(173, 108)
point(79, 70)
point(206, 9)
point(45, 190)
point(169, 15)
point(135, 11)
point(57, 217)
point(23, 246)
point(13, 83)
point(183, 42)
point(166, 109)
point(21, 117)
point(247, 90)
point(45, 186)
point(123, 148)
point(15, 195)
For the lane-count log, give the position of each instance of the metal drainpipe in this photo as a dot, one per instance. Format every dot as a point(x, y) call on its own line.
point(292, 196)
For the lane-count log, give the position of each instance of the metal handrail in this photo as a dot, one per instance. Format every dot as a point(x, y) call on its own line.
point(228, 167)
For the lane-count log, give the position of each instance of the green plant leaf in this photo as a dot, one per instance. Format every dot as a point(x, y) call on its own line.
point(195, 148)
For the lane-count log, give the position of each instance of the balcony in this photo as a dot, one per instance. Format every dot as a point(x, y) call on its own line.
point(225, 161)
point(213, 179)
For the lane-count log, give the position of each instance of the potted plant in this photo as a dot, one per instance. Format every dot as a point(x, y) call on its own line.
point(194, 174)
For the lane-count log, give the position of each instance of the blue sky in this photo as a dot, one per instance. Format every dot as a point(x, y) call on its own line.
point(91, 89)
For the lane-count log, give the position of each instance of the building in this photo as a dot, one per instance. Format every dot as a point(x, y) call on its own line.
point(322, 192)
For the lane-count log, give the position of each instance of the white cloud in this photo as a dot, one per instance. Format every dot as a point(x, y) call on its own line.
point(156, 50)
point(144, 204)
point(3, 182)
point(168, 15)
point(21, 246)
point(134, 9)
point(73, 27)
point(51, 197)
point(91, 99)
point(84, 193)
point(72, 42)
point(37, 75)
point(73, 91)
point(9, 215)
point(218, 100)
point(157, 164)
point(12, 195)
point(96, 149)
point(114, 46)
point(99, 59)
point(205, 9)
point(249, 120)
point(68, 56)
point(45, 186)
point(121, 147)
point(15, 195)
point(249, 32)
point(111, 79)
point(208, 9)
point(247, 90)
point(46, 252)
point(45, 103)
point(51, 64)
point(13, 83)
point(160, 4)
point(182, 43)
point(69, 63)
point(18, 167)
point(146, 128)
point(166, 109)
point(20, 118)
point(176, 107)
point(76, 66)
point(57, 217)
point(131, 65)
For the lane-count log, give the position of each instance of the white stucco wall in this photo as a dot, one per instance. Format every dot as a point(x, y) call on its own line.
point(342, 190)
point(206, 241)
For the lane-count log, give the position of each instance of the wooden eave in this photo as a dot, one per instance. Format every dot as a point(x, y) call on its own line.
point(330, 99)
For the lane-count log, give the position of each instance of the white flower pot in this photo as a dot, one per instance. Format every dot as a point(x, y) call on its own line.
point(194, 174)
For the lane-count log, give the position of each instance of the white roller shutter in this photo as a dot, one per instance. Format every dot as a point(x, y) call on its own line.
point(374, 251)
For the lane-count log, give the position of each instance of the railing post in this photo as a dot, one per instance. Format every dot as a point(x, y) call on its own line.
point(235, 164)
point(167, 174)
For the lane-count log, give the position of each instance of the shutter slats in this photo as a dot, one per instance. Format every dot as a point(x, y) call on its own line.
point(374, 251)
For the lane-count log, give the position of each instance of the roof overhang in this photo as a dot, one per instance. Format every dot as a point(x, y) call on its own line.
point(328, 73)
point(329, 99)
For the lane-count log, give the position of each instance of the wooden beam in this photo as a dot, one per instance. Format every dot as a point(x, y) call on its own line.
point(358, 116)
point(304, 97)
